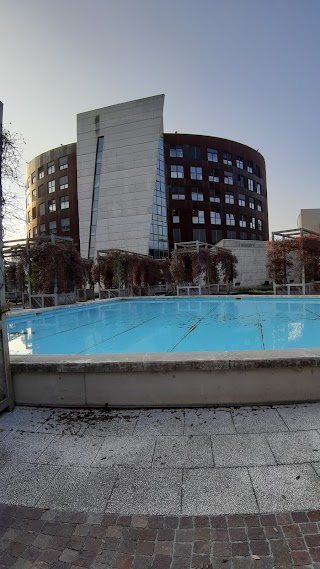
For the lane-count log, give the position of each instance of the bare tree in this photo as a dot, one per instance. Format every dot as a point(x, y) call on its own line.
point(12, 208)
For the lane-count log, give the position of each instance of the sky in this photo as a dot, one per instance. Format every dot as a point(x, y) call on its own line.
point(247, 70)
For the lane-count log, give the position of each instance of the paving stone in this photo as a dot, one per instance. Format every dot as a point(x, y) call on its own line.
point(25, 483)
point(22, 447)
point(291, 448)
point(207, 422)
point(147, 491)
point(301, 417)
point(28, 419)
point(287, 487)
point(241, 450)
point(79, 488)
point(160, 422)
point(217, 491)
point(258, 420)
point(179, 452)
point(105, 424)
point(71, 450)
point(125, 451)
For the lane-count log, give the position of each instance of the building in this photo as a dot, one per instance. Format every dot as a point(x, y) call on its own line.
point(51, 193)
point(251, 266)
point(309, 219)
point(134, 187)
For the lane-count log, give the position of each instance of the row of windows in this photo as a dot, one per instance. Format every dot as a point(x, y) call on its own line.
point(216, 235)
point(177, 171)
point(52, 206)
point(178, 193)
point(51, 187)
point(216, 219)
point(63, 164)
point(43, 229)
point(194, 153)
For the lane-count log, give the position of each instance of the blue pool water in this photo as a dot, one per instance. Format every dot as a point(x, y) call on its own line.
point(169, 325)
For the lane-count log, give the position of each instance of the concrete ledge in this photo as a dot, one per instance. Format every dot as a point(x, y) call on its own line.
point(168, 379)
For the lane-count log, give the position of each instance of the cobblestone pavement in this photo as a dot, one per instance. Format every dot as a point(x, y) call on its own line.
point(33, 538)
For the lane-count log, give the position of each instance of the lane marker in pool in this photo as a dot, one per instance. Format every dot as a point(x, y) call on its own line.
point(192, 328)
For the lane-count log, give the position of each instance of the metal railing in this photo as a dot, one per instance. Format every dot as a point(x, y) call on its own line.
point(297, 289)
point(197, 290)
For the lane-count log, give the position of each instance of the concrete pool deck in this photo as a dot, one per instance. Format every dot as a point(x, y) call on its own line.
point(167, 379)
point(231, 488)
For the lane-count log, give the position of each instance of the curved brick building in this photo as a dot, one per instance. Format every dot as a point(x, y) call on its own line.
point(216, 190)
point(51, 194)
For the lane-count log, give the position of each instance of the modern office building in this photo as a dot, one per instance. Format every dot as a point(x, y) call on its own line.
point(133, 187)
point(309, 219)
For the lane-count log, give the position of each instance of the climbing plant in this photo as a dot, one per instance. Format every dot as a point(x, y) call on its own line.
point(55, 261)
point(209, 265)
point(286, 258)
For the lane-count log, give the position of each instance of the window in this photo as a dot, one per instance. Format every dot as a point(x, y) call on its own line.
point(240, 181)
point(63, 183)
point(227, 158)
point(197, 216)
point(176, 171)
point(52, 227)
point(176, 232)
point(41, 208)
point(215, 218)
point(28, 183)
point(231, 234)
point(216, 235)
point(177, 193)
point(64, 202)
point(228, 178)
point(196, 195)
point(250, 184)
point(259, 206)
point(251, 203)
point(215, 196)
point(212, 155)
point(253, 236)
point(242, 221)
point(28, 200)
point(41, 191)
point(258, 171)
point(239, 163)
point(35, 231)
point(195, 152)
point(229, 197)
point(34, 195)
point(250, 167)
point(51, 168)
point(258, 188)
point(65, 224)
point(34, 212)
point(243, 235)
point(40, 173)
point(51, 186)
point(51, 205)
point(175, 216)
point(33, 178)
point(42, 229)
point(230, 220)
point(63, 162)
point(28, 216)
point(242, 200)
point(213, 175)
point(195, 172)
point(176, 151)
point(253, 223)
point(199, 235)
point(259, 224)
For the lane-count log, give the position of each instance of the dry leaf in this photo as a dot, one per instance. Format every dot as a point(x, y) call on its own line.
point(275, 529)
point(255, 557)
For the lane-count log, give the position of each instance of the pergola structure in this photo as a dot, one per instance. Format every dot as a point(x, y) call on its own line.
point(297, 232)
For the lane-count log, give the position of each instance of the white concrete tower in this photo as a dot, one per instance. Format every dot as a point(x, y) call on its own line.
point(117, 163)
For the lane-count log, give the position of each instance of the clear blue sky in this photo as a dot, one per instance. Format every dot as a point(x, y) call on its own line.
point(248, 70)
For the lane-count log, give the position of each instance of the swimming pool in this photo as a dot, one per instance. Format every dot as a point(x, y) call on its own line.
point(158, 325)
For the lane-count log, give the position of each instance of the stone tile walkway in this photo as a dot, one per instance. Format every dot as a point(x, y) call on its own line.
point(171, 489)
